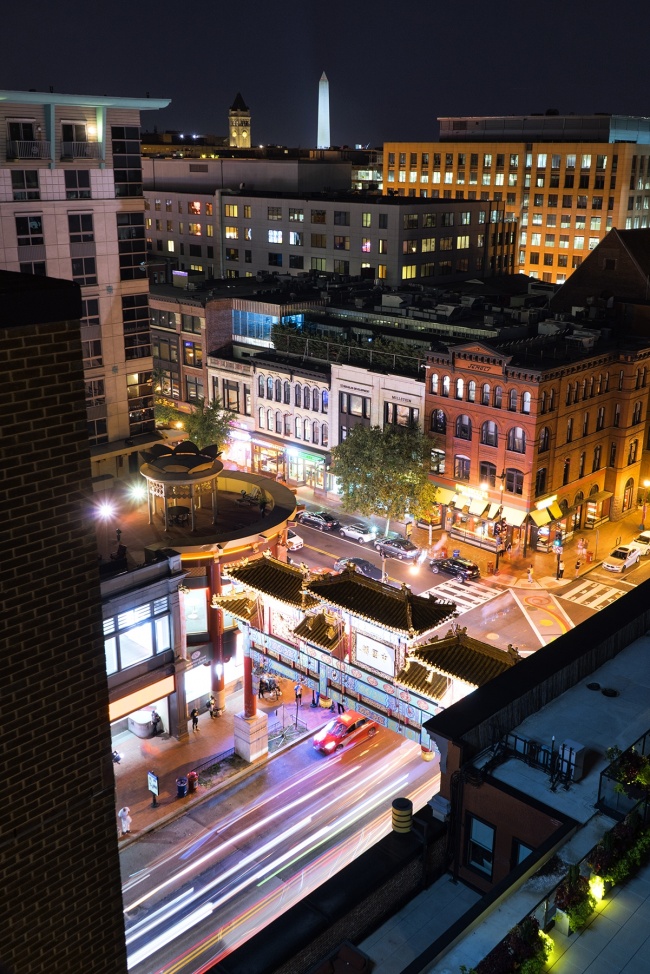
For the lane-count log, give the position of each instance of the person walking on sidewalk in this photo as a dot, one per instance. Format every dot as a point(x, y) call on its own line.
point(530, 575)
point(125, 819)
point(560, 569)
point(298, 692)
point(578, 564)
point(195, 719)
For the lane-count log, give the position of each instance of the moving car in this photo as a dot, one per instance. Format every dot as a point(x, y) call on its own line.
point(294, 541)
point(358, 531)
point(621, 558)
point(319, 519)
point(344, 731)
point(459, 567)
point(361, 565)
point(642, 543)
point(397, 548)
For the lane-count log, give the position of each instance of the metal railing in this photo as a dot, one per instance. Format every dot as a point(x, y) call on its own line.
point(80, 150)
point(28, 150)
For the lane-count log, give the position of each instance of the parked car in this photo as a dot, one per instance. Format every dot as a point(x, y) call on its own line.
point(459, 567)
point(362, 565)
point(358, 531)
point(621, 558)
point(397, 548)
point(642, 543)
point(319, 519)
point(294, 541)
point(344, 731)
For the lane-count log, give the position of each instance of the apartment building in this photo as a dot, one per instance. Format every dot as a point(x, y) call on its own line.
point(71, 206)
point(566, 179)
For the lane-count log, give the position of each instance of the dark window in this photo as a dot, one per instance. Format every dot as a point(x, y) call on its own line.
point(480, 845)
point(487, 473)
point(137, 335)
point(77, 184)
point(80, 226)
point(24, 183)
point(544, 439)
point(438, 421)
point(461, 467)
point(84, 270)
point(127, 162)
point(514, 481)
point(489, 433)
point(131, 245)
point(540, 481)
point(464, 428)
point(517, 440)
point(29, 230)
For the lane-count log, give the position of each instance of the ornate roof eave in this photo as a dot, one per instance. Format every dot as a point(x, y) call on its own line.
point(411, 632)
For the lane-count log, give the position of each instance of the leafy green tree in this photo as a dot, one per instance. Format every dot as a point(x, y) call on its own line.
point(422, 507)
point(208, 423)
point(382, 471)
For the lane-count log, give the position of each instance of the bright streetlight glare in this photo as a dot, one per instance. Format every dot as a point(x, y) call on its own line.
point(106, 510)
point(138, 492)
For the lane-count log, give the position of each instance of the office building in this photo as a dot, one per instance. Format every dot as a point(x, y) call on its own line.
point(566, 179)
point(71, 207)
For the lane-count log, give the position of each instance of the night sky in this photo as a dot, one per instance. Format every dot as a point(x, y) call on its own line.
point(394, 66)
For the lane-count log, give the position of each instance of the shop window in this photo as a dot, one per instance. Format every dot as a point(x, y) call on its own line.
point(514, 481)
point(517, 440)
point(489, 433)
point(461, 467)
point(480, 845)
point(464, 427)
point(487, 474)
point(438, 421)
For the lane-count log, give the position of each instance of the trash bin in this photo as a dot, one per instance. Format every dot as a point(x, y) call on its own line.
point(192, 781)
point(456, 553)
point(181, 787)
point(590, 556)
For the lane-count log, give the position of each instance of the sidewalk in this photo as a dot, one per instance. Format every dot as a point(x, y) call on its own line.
point(513, 567)
point(171, 759)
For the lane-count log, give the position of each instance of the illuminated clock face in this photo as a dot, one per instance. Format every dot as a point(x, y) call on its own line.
point(244, 134)
point(234, 133)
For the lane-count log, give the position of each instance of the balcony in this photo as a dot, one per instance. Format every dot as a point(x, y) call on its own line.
point(27, 150)
point(79, 150)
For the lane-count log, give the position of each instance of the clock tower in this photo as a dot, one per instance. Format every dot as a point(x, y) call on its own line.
point(239, 124)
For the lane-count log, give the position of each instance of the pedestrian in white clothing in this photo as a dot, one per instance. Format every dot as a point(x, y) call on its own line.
point(125, 819)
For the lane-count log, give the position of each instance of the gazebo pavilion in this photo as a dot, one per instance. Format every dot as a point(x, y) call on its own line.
point(181, 473)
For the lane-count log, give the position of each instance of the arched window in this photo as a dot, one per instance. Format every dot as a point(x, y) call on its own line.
point(438, 421)
point(278, 422)
point(540, 481)
point(498, 396)
point(261, 386)
point(542, 403)
point(306, 430)
point(517, 440)
point(461, 467)
point(315, 432)
point(460, 385)
point(471, 391)
point(435, 380)
point(261, 417)
point(464, 427)
point(489, 433)
point(544, 439)
point(278, 390)
point(298, 428)
point(576, 391)
point(487, 474)
point(633, 451)
point(584, 389)
point(599, 384)
point(298, 395)
point(315, 400)
point(578, 499)
point(287, 394)
point(325, 396)
point(525, 402)
point(514, 481)
point(485, 394)
point(512, 400)
point(269, 419)
point(636, 418)
point(324, 435)
point(306, 397)
point(606, 389)
point(551, 401)
point(445, 385)
point(269, 388)
point(287, 424)
point(628, 495)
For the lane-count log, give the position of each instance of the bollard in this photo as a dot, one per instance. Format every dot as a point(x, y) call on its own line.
point(402, 815)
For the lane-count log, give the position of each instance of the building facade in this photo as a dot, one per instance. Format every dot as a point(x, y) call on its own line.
point(567, 180)
point(71, 207)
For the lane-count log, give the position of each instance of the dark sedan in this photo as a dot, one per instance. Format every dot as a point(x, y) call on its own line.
point(459, 567)
point(397, 548)
point(319, 519)
point(362, 565)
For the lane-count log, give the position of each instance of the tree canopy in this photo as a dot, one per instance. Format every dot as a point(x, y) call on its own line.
point(384, 471)
point(206, 424)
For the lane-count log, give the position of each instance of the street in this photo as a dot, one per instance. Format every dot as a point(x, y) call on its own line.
point(197, 888)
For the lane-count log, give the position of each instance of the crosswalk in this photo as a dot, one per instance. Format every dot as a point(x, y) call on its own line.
point(466, 596)
point(593, 595)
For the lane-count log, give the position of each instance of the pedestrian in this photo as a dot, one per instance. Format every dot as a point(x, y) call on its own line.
point(298, 692)
point(212, 707)
point(125, 819)
point(156, 721)
point(578, 564)
point(341, 707)
point(263, 505)
point(530, 575)
point(195, 719)
point(560, 569)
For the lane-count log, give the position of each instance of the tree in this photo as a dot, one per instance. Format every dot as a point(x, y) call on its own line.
point(424, 503)
point(208, 423)
point(382, 471)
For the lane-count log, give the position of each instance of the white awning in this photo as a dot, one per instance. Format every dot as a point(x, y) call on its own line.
point(477, 508)
point(513, 516)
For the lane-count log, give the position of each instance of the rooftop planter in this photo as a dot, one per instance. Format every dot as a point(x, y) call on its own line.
point(573, 897)
point(621, 851)
point(626, 781)
point(524, 949)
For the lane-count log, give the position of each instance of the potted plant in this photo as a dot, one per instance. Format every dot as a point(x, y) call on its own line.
point(632, 771)
point(525, 949)
point(574, 899)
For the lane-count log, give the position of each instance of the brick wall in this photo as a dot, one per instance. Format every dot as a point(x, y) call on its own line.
point(59, 867)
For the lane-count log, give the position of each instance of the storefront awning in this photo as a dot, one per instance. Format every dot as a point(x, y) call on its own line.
point(477, 508)
point(444, 495)
point(514, 517)
point(602, 495)
point(541, 517)
point(494, 512)
point(556, 512)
